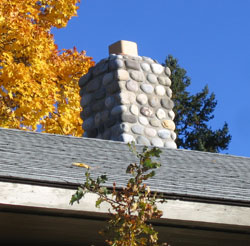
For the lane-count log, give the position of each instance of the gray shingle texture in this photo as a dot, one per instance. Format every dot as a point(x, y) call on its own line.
point(47, 159)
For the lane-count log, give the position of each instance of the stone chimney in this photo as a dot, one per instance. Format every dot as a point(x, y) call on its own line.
point(126, 97)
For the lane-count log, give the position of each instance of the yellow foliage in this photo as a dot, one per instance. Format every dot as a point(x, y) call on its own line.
point(39, 83)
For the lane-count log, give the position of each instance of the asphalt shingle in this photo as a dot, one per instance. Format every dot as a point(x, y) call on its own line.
point(46, 158)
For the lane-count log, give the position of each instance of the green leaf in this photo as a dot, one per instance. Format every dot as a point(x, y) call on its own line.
point(98, 202)
point(101, 179)
point(77, 196)
point(155, 152)
point(131, 181)
point(147, 163)
point(156, 164)
point(104, 178)
point(150, 175)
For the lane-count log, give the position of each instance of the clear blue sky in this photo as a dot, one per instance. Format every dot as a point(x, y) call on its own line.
point(210, 38)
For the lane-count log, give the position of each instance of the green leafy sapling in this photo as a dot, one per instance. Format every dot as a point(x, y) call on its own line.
point(132, 206)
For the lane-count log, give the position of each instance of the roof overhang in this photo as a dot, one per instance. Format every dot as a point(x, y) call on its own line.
point(48, 207)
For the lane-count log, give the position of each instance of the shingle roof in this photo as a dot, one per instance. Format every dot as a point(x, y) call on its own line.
point(47, 159)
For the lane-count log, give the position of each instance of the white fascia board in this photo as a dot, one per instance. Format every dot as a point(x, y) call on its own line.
point(42, 197)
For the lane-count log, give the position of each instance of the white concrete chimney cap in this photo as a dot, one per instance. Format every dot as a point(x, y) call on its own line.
point(124, 47)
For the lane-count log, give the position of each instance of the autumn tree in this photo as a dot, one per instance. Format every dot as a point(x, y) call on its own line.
point(193, 113)
point(38, 83)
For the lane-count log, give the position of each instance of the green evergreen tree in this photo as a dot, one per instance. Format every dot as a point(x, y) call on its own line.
point(193, 113)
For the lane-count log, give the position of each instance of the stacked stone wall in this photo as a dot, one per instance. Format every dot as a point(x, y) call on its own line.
point(127, 98)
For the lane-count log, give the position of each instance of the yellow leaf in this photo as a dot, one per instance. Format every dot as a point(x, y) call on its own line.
point(77, 164)
point(10, 95)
